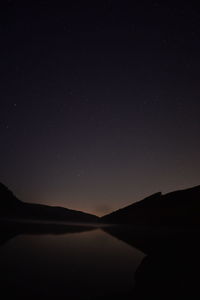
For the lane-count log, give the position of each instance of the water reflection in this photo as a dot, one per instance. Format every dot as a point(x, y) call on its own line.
point(60, 261)
point(80, 263)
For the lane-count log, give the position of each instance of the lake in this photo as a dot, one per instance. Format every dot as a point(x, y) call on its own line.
point(90, 264)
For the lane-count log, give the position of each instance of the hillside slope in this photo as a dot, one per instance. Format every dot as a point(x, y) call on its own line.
point(11, 207)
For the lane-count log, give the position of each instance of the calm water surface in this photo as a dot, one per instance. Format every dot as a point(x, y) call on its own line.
point(86, 265)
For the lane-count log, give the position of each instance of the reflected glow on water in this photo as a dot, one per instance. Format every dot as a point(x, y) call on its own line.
point(79, 265)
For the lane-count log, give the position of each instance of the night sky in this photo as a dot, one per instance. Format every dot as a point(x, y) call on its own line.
point(99, 101)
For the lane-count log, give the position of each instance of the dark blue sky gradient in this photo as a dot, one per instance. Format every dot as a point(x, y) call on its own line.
point(99, 101)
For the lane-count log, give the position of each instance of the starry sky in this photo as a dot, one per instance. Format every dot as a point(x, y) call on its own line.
point(99, 100)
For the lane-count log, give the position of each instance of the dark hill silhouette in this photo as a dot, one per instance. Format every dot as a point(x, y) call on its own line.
point(12, 207)
point(171, 263)
point(8, 199)
point(179, 208)
point(171, 272)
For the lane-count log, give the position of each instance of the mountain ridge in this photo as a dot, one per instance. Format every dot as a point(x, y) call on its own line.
point(12, 207)
point(181, 207)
